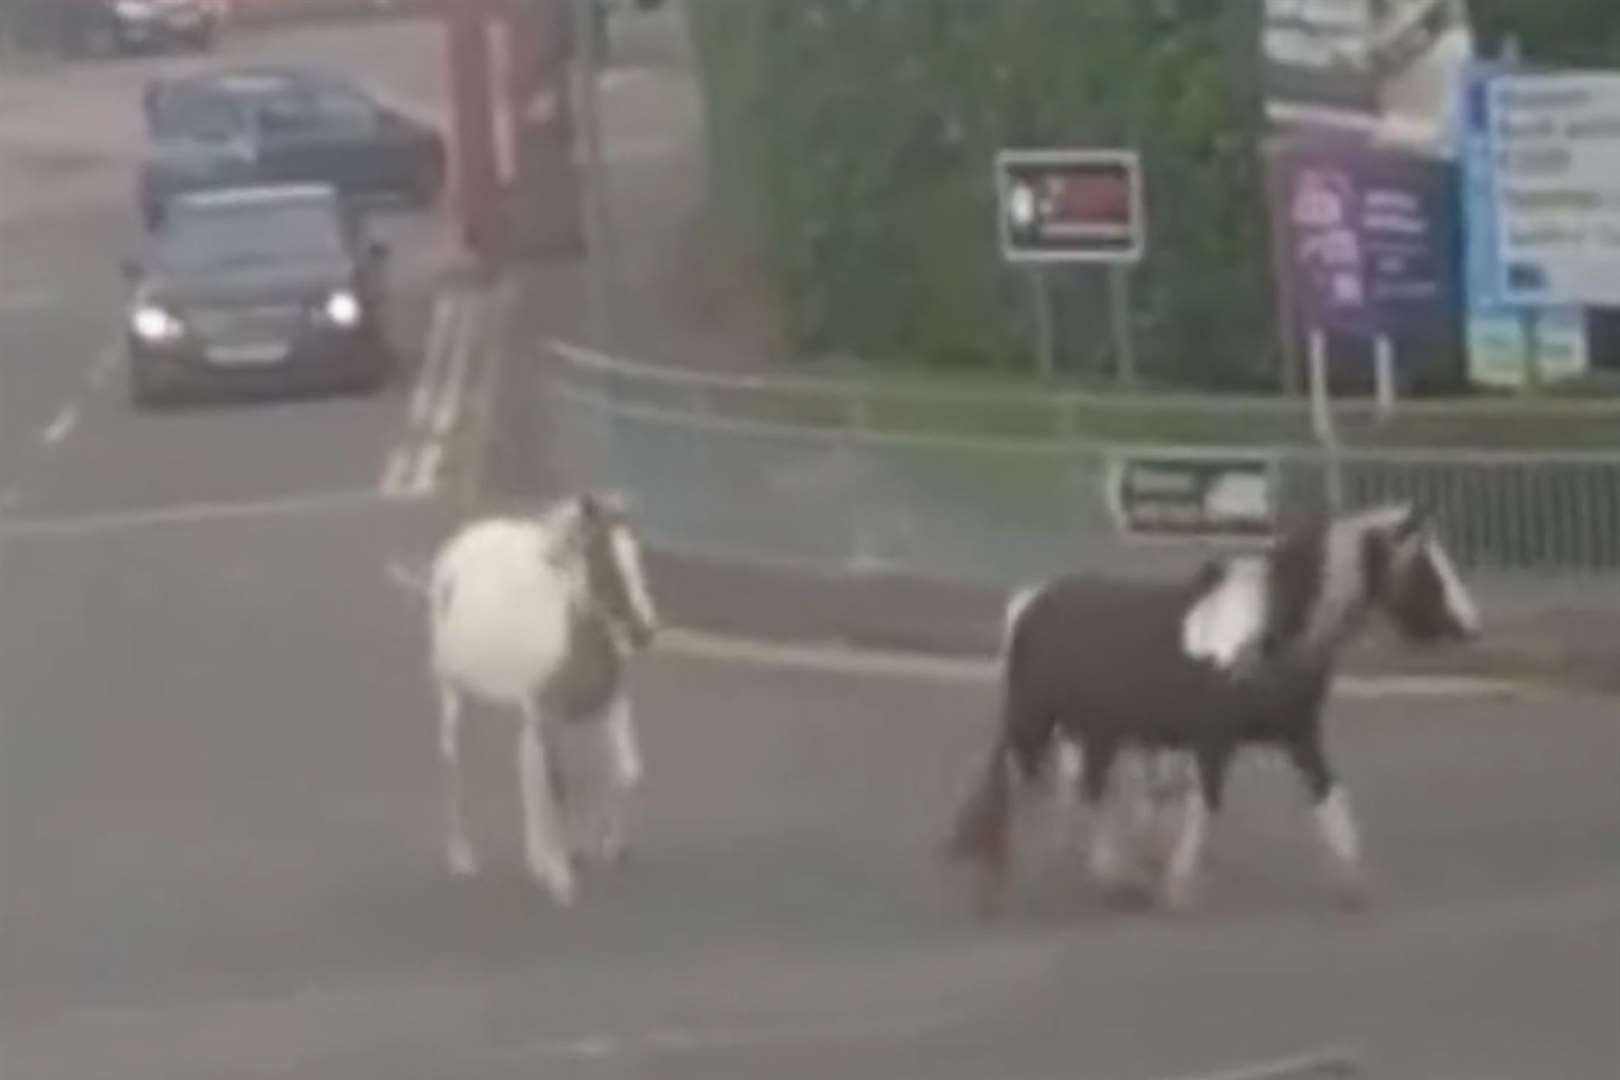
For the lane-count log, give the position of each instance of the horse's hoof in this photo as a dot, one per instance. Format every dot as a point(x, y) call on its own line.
point(989, 899)
point(462, 862)
point(1353, 893)
point(557, 880)
point(1177, 897)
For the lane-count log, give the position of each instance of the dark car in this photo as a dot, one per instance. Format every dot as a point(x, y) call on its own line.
point(282, 125)
point(268, 288)
point(105, 27)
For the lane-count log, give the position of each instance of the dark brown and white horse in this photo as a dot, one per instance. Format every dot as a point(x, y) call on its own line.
point(540, 614)
point(1241, 654)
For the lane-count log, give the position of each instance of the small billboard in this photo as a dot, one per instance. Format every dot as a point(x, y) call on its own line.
point(1192, 495)
point(1070, 206)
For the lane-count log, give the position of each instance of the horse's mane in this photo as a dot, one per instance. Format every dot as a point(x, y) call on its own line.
point(1295, 567)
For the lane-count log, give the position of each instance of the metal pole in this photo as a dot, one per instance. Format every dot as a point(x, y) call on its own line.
point(587, 65)
point(1322, 418)
point(1045, 327)
point(1119, 295)
point(1531, 319)
point(1384, 367)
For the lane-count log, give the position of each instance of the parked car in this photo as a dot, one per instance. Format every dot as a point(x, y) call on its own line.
point(282, 125)
point(259, 288)
point(110, 27)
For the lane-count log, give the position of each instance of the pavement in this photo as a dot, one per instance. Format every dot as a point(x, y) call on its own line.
point(219, 800)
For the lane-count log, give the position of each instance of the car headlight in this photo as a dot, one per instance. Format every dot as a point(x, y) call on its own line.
point(342, 308)
point(154, 325)
point(133, 9)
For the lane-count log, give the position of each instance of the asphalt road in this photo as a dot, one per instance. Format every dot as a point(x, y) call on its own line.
point(219, 800)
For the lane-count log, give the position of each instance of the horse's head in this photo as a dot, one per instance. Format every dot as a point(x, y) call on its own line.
point(614, 575)
point(1412, 579)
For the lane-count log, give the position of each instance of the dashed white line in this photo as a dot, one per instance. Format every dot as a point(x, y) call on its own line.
point(425, 473)
point(103, 369)
point(62, 426)
point(445, 310)
point(461, 348)
point(394, 473)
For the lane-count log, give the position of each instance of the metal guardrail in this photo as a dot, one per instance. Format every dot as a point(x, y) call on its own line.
point(799, 471)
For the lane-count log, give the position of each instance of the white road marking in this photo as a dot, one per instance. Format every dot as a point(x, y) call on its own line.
point(394, 472)
point(62, 426)
point(98, 523)
point(445, 308)
point(105, 366)
point(425, 473)
point(847, 660)
point(620, 78)
point(460, 350)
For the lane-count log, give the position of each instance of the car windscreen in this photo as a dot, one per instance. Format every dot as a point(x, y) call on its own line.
point(186, 114)
point(221, 236)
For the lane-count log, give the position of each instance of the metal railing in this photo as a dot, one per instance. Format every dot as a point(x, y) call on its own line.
point(845, 474)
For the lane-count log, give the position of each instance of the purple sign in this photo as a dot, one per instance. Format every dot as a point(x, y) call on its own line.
point(1367, 238)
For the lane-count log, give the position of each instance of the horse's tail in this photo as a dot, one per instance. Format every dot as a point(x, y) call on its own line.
point(982, 835)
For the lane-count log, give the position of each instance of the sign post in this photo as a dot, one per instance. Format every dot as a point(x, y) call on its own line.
point(1074, 206)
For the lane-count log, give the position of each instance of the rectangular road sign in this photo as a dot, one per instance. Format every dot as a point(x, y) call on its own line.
point(1070, 206)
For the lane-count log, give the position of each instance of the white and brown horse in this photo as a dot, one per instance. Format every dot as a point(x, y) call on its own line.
point(1241, 654)
point(539, 614)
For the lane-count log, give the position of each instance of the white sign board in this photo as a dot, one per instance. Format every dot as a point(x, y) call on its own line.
point(1555, 143)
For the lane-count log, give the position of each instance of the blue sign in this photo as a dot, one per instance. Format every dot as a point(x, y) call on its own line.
point(1370, 235)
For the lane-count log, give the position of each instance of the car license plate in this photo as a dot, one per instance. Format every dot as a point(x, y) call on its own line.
point(247, 355)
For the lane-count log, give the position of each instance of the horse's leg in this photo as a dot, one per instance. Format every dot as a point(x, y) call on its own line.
point(599, 824)
point(1202, 801)
point(542, 838)
point(625, 773)
point(1104, 857)
point(1171, 778)
point(1335, 824)
point(459, 851)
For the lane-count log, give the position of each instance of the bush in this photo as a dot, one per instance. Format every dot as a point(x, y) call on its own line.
point(856, 137)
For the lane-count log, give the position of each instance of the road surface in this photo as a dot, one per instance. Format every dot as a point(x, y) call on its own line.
point(219, 800)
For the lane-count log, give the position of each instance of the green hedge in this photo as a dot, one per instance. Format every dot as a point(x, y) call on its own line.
point(856, 137)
